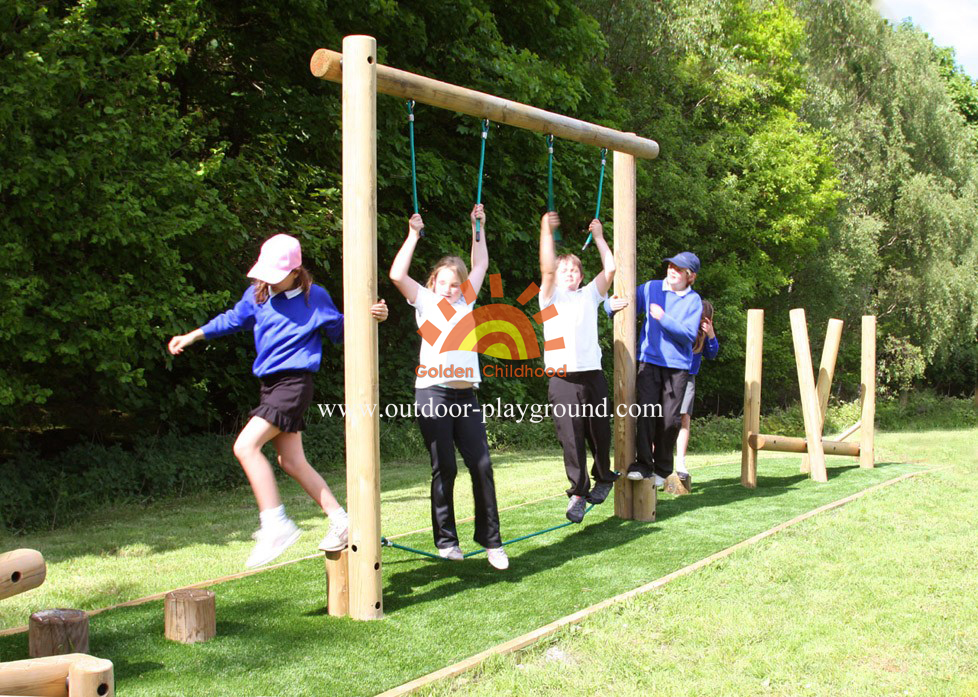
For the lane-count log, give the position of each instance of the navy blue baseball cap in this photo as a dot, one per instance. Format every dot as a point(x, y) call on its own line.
point(686, 260)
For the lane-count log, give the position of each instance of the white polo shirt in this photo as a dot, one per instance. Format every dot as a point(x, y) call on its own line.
point(451, 365)
point(577, 324)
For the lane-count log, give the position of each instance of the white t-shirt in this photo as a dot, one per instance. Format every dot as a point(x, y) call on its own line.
point(434, 367)
point(576, 323)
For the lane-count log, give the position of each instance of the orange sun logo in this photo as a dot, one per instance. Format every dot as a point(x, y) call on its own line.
point(501, 331)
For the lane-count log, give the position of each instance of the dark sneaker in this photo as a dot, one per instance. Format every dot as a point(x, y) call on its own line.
point(575, 509)
point(600, 492)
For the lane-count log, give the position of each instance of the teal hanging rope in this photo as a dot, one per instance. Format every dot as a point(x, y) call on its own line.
point(597, 209)
point(414, 170)
point(482, 162)
point(384, 542)
point(550, 184)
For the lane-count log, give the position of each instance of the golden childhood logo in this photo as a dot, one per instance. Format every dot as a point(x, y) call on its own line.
point(498, 330)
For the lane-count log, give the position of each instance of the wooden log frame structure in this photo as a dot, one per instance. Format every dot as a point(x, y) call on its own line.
point(68, 675)
point(362, 78)
point(814, 399)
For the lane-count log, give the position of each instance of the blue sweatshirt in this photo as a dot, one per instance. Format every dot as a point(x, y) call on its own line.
point(287, 330)
point(667, 342)
point(710, 349)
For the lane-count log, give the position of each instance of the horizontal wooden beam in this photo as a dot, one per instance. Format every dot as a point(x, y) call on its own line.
point(784, 444)
point(326, 65)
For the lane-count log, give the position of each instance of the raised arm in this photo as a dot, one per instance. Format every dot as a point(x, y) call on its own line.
point(607, 275)
point(548, 257)
point(480, 251)
point(402, 262)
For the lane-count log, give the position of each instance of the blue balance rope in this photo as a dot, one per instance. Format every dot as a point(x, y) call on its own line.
point(384, 542)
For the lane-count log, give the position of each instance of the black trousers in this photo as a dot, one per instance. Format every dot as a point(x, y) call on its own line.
point(656, 435)
point(451, 418)
point(581, 413)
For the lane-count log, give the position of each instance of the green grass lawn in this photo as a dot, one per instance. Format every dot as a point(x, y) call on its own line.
point(275, 638)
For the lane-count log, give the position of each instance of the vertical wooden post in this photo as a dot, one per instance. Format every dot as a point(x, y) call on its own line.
point(338, 583)
point(625, 226)
point(644, 498)
point(826, 371)
point(809, 398)
point(752, 396)
point(867, 429)
point(360, 344)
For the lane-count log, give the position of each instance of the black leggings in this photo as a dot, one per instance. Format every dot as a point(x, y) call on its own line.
point(578, 399)
point(451, 418)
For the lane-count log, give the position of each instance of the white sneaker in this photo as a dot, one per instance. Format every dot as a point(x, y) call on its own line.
point(497, 558)
point(659, 482)
point(337, 536)
point(271, 542)
point(453, 553)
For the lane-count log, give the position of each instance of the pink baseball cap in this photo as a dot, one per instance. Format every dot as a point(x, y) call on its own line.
point(280, 255)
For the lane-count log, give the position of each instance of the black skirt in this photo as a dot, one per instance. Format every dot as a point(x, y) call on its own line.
point(285, 397)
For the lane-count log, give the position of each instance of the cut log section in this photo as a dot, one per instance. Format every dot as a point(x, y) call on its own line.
point(190, 615)
point(56, 632)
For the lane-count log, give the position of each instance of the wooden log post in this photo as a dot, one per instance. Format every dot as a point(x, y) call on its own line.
point(625, 333)
point(849, 431)
point(55, 632)
point(190, 615)
point(867, 431)
point(337, 584)
point(809, 398)
point(70, 675)
point(752, 396)
point(20, 571)
point(826, 371)
point(644, 497)
point(360, 343)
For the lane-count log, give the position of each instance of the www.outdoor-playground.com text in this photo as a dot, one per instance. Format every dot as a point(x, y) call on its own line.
point(515, 412)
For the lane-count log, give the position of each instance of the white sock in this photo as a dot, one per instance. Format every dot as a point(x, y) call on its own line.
point(273, 517)
point(339, 515)
point(681, 465)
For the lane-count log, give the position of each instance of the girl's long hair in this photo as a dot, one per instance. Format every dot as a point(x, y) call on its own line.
point(701, 335)
point(455, 264)
point(303, 279)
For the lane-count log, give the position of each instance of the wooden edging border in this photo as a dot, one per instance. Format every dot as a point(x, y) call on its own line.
point(545, 631)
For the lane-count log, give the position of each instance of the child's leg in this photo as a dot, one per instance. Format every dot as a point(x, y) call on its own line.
point(565, 397)
point(599, 427)
point(247, 448)
point(437, 434)
point(292, 459)
point(470, 438)
point(673, 389)
point(682, 441)
point(647, 390)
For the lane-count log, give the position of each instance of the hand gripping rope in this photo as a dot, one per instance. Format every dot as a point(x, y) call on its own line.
point(482, 162)
point(550, 184)
point(597, 210)
point(414, 171)
point(384, 542)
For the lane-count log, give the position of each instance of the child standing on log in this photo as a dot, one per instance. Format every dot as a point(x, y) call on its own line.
point(449, 414)
point(288, 314)
point(579, 395)
point(672, 311)
point(706, 344)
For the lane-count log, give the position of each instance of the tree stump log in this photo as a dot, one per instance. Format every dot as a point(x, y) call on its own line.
point(56, 632)
point(643, 500)
point(338, 583)
point(677, 486)
point(190, 615)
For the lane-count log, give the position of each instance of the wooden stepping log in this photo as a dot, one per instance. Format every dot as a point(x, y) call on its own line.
point(56, 632)
point(676, 486)
point(190, 615)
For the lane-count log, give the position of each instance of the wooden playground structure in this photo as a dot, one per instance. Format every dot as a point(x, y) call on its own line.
point(814, 399)
point(359, 568)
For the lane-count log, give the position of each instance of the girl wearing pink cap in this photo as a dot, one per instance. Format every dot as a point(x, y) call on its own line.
point(286, 311)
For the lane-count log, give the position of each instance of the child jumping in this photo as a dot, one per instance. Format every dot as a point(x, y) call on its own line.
point(579, 397)
point(706, 344)
point(672, 311)
point(449, 414)
point(287, 313)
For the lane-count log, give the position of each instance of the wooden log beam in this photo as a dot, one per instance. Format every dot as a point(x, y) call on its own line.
point(849, 431)
point(625, 334)
point(21, 570)
point(786, 444)
point(360, 346)
point(867, 434)
point(326, 65)
point(809, 398)
point(752, 396)
point(69, 675)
